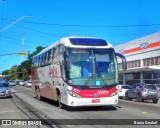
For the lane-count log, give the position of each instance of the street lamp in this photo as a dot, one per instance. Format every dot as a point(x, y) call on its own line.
point(19, 53)
point(15, 22)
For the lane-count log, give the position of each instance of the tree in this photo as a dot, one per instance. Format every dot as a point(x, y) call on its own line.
point(12, 73)
point(23, 71)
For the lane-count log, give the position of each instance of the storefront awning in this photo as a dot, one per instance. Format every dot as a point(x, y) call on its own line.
point(139, 69)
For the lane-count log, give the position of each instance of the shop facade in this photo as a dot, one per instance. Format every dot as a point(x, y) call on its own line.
point(143, 60)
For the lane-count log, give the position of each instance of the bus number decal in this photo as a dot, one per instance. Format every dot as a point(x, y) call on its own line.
point(75, 90)
point(52, 72)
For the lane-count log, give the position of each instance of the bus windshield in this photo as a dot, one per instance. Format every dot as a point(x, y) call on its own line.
point(92, 68)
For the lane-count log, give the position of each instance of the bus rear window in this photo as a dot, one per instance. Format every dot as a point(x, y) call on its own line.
point(153, 87)
point(88, 42)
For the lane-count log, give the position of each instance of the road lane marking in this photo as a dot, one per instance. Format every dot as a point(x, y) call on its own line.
point(25, 88)
point(145, 112)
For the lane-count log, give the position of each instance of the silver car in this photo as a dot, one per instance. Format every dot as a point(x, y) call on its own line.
point(28, 84)
point(5, 90)
point(158, 89)
point(141, 92)
point(11, 82)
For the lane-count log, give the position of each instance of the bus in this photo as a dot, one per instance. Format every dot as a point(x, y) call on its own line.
point(77, 71)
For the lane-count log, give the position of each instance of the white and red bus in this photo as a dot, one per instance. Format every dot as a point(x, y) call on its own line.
point(77, 71)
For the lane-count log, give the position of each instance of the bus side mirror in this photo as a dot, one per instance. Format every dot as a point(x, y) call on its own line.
point(124, 62)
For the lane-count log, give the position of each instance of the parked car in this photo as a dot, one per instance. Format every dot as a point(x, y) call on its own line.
point(5, 90)
point(122, 90)
point(16, 82)
point(158, 90)
point(21, 83)
point(11, 82)
point(28, 84)
point(141, 92)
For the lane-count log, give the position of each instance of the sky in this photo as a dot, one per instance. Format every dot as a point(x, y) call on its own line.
point(46, 21)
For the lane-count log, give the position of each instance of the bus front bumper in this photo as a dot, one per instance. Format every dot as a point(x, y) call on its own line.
point(73, 101)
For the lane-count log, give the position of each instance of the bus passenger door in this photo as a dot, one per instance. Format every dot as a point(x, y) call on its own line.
point(63, 69)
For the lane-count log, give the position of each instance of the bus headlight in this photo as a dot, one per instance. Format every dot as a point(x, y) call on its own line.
point(114, 93)
point(73, 94)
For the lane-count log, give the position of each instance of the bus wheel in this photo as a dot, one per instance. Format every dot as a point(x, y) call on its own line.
point(126, 96)
point(38, 94)
point(59, 102)
point(155, 101)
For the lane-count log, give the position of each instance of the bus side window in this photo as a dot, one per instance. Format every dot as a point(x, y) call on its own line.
point(38, 61)
point(49, 57)
point(45, 59)
point(41, 60)
point(53, 51)
point(33, 62)
point(56, 54)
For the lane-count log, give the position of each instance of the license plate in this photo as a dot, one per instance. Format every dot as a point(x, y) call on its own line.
point(95, 100)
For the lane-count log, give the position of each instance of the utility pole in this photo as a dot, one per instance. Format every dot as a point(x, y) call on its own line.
point(22, 57)
point(23, 41)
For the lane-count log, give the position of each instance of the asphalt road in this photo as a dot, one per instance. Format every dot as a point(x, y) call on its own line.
point(24, 105)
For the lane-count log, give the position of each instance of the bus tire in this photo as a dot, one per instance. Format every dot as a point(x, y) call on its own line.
point(127, 97)
point(155, 101)
point(59, 99)
point(59, 102)
point(38, 94)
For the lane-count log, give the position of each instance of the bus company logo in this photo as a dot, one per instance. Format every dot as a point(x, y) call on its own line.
point(52, 72)
point(121, 51)
point(144, 45)
point(95, 95)
point(103, 92)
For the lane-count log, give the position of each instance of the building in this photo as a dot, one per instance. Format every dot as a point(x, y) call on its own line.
point(143, 60)
point(2, 77)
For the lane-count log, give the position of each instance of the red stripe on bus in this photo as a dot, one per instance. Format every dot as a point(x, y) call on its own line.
point(152, 45)
point(97, 93)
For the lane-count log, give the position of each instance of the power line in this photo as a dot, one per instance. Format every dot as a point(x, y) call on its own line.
point(89, 26)
point(18, 39)
point(38, 31)
point(55, 35)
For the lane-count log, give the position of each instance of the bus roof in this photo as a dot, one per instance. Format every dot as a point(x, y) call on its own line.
point(80, 42)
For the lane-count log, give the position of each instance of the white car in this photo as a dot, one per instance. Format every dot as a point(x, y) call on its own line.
point(21, 83)
point(12, 83)
point(122, 90)
point(28, 84)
